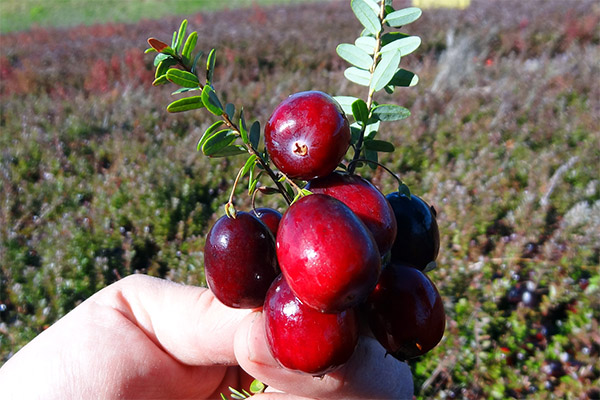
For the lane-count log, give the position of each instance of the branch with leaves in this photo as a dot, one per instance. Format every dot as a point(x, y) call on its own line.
point(375, 57)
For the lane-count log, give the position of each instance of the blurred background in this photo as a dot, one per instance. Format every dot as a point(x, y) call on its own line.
point(98, 181)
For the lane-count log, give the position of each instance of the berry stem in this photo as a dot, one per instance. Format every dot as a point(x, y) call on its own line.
point(402, 187)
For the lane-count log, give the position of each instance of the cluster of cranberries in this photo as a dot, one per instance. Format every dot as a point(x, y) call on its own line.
point(344, 250)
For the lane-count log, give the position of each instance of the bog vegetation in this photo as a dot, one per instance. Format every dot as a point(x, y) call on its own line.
point(98, 181)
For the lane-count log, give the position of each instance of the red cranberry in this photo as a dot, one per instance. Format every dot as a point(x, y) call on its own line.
point(327, 254)
point(418, 238)
point(240, 260)
point(406, 313)
point(304, 339)
point(307, 135)
point(365, 200)
point(269, 217)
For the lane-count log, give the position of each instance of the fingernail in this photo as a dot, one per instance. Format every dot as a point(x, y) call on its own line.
point(258, 348)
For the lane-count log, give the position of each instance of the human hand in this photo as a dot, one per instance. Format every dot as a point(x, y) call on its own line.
point(144, 337)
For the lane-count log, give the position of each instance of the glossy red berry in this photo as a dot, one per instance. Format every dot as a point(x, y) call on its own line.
point(240, 260)
point(307, 135)
point(418, 237)
point(301, 338)
point(405, 311)
point(269, 217)
point(365, 200)
point(327, 254)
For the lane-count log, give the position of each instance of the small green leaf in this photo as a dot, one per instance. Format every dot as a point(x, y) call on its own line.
point(160, 57)
point(230, 110)
point(358, 76)
point(372, 156)
point(366, 15)
point(185, 104)
point(161, 80)
point(164, 66)
point(366, 43)
point(243, 128)
point(405, 45)
point(355, 131)
point(223, 397)
point(195, 62)
point(208, 133)
point(254, 134)
point(230, 151)
point(360, 111)
point(170, 51)
point(404, 78)
point(390, 112)
point(210, 66)
point(404, 189)
point(184, 90)
point(182, 78)
point(391, 37)
point(174, 41)
point(181, 35)
point(379, 145)
point(403, 17)
point(385, 70)
point(150, 50)
point(354, 55)
point(218, 141)
point(211, 101)
point(250, 162)
point(345, 102)
point(189, 46)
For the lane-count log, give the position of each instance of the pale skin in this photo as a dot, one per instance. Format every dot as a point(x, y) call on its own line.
point(147, 338)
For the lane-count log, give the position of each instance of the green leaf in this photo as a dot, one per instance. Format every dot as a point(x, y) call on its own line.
point(345, 102)
point(160, 57)
point(210, 66)
point(405, 45)
point(185, 104)
point(250, 163)
point(211, 101)
point(184, 90)
point(354, 55)
point(182, 28)
point(391, 37)
point(404, 78)
point(243, 128)
point(150, 50)
point(390, 112)
point(358, 76)
point(182, 78)
point(195, 62)
point(164, 66)
point(161, 80)
point(385, 70)
point(257, 387)
point(174, 41)
point(360, 111)
point(229, 151)
point(366, 43)
point(208, 133)
point(218, 141)
point(379, 145)
point(372, 156)
point(403, 17)
point(367, 17)
point(255, 134)
point(230, 110)
point(189, 46)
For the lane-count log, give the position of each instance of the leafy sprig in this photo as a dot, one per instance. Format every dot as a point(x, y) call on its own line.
point(177, 64)
point(375, 57)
